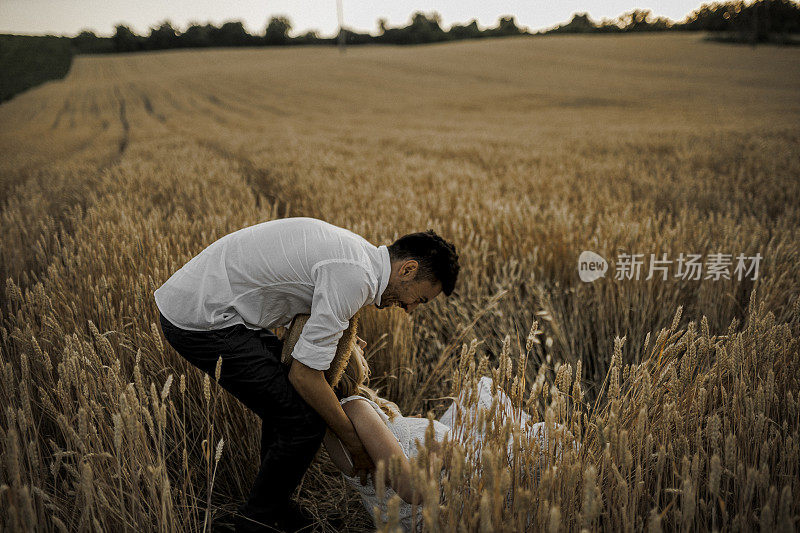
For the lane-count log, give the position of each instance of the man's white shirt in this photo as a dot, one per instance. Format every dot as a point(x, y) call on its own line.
point(263, 275)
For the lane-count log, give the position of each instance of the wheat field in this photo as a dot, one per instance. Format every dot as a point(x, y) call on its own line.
point(682, 394)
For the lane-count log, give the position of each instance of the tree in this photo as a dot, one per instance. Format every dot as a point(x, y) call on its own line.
point(425, 28)
point(580, 23)
point(642, 20)
point(86, 42)
point(232, 34)
point(197, 36)
point(309, 37)
point(84, 39)
point(163, 36)
point(469, 31)
point(277, 31)
point(423, 22)
point(125, 40)
point(609, 26)
point(507, 26)
point(351, 37)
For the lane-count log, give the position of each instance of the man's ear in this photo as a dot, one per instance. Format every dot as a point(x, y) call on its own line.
point(409, 269)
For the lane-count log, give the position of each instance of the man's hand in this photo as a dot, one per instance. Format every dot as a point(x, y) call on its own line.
point(311, 385)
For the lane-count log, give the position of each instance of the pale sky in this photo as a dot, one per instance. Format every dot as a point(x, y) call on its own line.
point(68, 17)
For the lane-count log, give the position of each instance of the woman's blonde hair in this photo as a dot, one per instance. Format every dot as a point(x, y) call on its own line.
point(355, 380)
point(349, 372)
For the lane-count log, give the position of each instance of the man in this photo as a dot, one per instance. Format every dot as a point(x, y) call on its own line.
point(222, 302)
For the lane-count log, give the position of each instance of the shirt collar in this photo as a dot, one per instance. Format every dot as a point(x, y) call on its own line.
point(384, 270)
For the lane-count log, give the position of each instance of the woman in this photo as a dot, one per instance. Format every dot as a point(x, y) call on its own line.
point(387, 434)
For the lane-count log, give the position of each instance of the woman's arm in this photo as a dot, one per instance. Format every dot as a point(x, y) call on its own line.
point(381, 445)
point(311, 385)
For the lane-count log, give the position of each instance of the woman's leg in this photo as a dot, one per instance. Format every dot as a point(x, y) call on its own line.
point(506, 405)
point(462, 415)
point(467, 404)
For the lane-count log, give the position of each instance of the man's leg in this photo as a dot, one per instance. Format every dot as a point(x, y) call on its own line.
point(290, 437)
point(251, 370)
point(267, 437)
point(297, 438)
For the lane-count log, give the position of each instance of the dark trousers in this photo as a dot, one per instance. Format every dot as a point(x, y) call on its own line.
point(291, 430)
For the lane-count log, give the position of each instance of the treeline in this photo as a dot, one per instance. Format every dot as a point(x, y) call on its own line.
point(761, 21)
point(27, 61)
point(424, 28)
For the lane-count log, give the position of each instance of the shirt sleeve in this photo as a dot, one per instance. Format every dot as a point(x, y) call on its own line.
point(340, 290)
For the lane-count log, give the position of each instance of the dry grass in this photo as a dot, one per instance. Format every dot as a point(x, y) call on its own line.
point(524, 152)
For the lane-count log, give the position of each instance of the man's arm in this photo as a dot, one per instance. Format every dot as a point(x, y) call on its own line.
point(316, 391)
point(338, 453)
point(341, 288)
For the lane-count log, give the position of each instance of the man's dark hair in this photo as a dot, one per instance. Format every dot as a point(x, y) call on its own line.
point(437, 258)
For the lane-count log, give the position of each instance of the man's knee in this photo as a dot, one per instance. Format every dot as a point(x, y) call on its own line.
point(313, 429)
point(303, 430)
point(295, 442)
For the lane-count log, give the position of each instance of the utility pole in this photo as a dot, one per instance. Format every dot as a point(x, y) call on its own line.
point(340, 16)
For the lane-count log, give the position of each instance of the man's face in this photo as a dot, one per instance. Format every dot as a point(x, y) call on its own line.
point(406, 292)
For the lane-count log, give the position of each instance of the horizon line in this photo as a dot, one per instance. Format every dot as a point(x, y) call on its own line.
point(182, 28)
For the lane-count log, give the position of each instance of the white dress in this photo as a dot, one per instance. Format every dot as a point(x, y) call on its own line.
point(407, 430)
